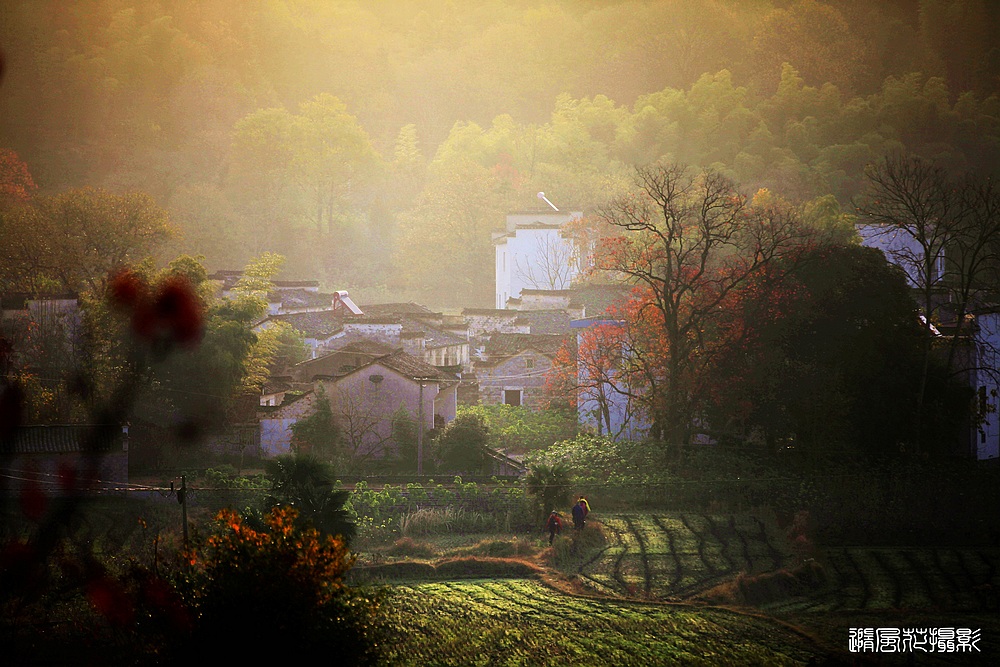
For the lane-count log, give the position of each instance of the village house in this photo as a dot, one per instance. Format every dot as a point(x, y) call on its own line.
point(534, 252)
point(318, 328)
point(275, 422)
point(978, 364)
point(548, 300)
point(346, 354)
point(59, 459)
point(368, 398)
point(439, 340)
point(515, 367)
point(367, 389)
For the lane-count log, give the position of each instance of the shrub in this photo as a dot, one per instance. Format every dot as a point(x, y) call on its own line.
point(308, 483)
point(519, 429)
point(485, 567)
point(447, 520)
point(574, 545)
point(769, 587)
point(549, 484)
point(503, 548)
point(407, 546)
point(260, 594)
point(426, 522)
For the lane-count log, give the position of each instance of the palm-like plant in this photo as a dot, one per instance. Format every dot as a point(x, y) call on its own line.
point(308, 484)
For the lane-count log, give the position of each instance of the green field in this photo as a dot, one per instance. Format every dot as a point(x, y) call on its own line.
point(672, 557)
point(671, 588)
point(523, 622)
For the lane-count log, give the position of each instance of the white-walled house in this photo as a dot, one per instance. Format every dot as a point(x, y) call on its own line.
point(904, 251)
point(535, 253)
point(604, 405)
point(276, 423)
point(979, 365)
point(365, 399)
point(984, 378)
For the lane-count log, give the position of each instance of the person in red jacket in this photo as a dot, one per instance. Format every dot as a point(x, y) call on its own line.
point(554, 525)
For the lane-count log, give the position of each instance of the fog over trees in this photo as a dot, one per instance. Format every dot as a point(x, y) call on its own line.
point(377, 144)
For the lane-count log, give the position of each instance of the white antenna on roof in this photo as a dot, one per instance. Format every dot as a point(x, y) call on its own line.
point(541, 195)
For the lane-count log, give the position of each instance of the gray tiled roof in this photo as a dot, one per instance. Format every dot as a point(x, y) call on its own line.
point(320, 324)
point(545, 321)
point(597, 298)
point(498, 312)
point(433, 337)
point(60, 438)
point(352, 354)
point(409, 308)
point(411, 367)
point(503, 345)
point(300, 298)
point(357, 343)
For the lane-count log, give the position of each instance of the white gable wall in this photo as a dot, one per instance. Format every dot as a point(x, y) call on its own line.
point(986, 434)
point(533, 240)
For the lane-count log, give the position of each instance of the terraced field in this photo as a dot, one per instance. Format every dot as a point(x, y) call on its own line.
point(644, 592)
point(679, 556)
point(905, 579)
point(522, 622)
point(673, 557)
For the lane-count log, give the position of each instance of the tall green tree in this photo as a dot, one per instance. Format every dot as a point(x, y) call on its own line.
point(444, 244)
point(75, 240)
point(333, 162)
point(462, 445)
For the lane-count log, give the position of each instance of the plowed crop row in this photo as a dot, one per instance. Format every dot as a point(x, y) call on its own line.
point(906, 579)
point(671, 557)
point(521, 622)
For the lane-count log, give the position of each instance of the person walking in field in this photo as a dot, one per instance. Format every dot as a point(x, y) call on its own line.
point(554, 525)
point(586, 507)
point(579, 515)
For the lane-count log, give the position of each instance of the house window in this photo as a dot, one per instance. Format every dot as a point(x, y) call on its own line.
point(529, 363)
point(512, 397)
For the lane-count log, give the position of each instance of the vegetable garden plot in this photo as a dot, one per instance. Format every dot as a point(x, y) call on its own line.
point(519, 622)
point(715, 554)
point(673, 556)
point(906, 578)
point(677, 556)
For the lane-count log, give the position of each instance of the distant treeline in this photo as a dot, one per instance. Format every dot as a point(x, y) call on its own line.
point(377, 144)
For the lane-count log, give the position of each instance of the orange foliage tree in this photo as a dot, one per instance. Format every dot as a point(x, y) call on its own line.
point(15, 180)
point(263, 593)
point(694, 247)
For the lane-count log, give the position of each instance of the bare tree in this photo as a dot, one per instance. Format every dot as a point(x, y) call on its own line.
point(552, 266)
point(945, 233)
point(365, 422)
point(690, 241)
point(912, 208)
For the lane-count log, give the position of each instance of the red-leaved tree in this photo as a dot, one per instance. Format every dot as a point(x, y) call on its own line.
point(693, 245)
point(16, 183)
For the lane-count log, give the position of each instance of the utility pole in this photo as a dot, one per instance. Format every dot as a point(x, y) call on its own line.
point(420, 430)
point(182, 499)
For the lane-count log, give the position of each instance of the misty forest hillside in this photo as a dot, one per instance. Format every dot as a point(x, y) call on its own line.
point(378, 144)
